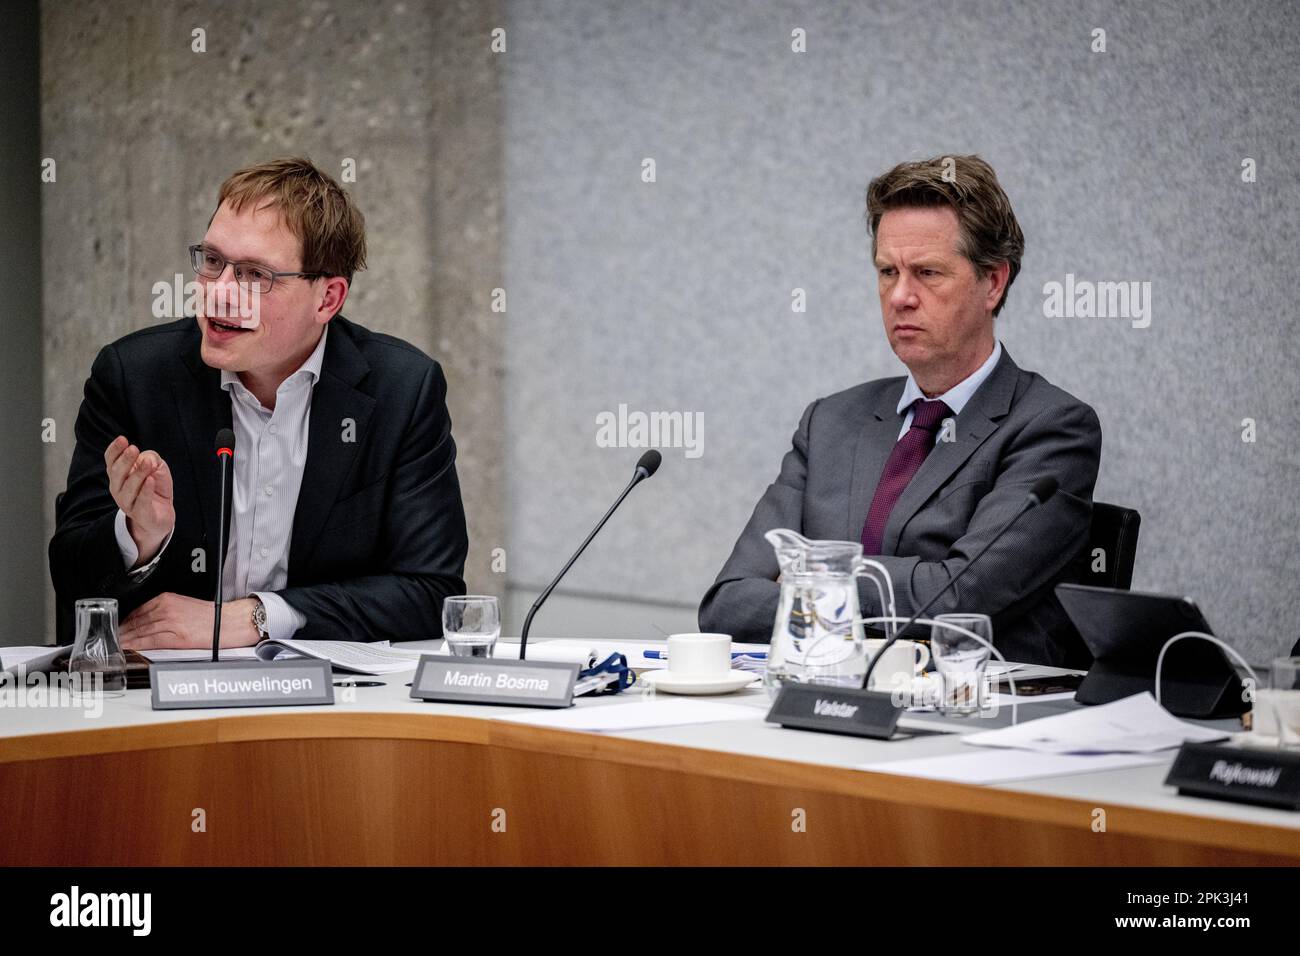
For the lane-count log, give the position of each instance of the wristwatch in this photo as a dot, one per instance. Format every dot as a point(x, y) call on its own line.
point(259, 619)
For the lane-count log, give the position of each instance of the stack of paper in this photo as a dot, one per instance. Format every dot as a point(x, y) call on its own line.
point(565, 652)
point(635, 651)
point(1134, 725)
point(355, 656)
point(164, 655)
point(29, 659)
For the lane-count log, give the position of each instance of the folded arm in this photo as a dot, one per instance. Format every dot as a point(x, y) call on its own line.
point(1063, 442)
point(742, 601)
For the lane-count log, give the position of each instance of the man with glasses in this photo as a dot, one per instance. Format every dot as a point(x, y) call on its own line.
point(345, 511)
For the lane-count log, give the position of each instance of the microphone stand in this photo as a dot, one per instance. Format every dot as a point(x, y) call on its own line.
point(641, 474)
point(225, 455)
point(1033, 502)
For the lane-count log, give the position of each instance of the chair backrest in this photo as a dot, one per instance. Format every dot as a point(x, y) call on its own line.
point(1115, 533)
point(64, 615)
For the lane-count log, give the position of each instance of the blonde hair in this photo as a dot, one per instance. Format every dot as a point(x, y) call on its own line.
point(315, 209)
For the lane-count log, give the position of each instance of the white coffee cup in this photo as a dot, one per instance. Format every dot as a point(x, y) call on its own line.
point(902, 662)
point(699, 655)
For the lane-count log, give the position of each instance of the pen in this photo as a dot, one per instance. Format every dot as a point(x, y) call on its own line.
point(663, 655)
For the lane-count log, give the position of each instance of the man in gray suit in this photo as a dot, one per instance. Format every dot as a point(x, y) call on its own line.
point(925, 469)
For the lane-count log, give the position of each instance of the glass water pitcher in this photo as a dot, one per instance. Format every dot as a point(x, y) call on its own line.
point(816, 638)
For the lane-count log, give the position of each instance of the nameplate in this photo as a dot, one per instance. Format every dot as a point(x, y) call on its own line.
point(836, 710)
point(178, 685)
point(469, 680)
point(1269, 778)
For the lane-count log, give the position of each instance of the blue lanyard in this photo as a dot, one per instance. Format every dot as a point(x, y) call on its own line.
point(614, 664)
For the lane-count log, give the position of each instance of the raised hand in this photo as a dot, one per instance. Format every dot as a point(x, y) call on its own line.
point(141, 484)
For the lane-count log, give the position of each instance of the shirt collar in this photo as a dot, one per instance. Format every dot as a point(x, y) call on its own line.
point(311, 367)
point(957, 396)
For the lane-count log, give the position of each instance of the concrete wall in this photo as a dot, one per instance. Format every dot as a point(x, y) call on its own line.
point(524, 170)
point(676, 294)
point(144, 130)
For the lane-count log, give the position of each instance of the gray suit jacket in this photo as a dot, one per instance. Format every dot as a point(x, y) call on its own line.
point(1016, 428)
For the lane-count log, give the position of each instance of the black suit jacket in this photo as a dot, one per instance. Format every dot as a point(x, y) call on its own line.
point(379, 532)
point(1015, 429)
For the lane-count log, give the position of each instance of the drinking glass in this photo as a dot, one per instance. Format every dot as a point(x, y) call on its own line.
point(96, 651)
point(471, 623)
point(960, 660)
point(1284, 695)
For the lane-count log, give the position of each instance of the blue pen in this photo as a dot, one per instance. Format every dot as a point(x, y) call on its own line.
point(663, 655)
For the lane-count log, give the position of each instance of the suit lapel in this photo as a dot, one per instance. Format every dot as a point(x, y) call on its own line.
point(978, 420)
point(203, 409)
point(329, 457)
point(875, 441)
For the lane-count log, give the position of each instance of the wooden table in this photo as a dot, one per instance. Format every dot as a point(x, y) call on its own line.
point(338, 786)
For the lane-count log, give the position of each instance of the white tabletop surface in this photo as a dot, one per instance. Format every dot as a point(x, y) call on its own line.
point(1141, 786)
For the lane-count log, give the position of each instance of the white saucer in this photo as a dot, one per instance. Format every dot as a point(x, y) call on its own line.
point(726, 683)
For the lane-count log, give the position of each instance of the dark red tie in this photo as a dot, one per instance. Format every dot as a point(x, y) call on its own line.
point(903, 463)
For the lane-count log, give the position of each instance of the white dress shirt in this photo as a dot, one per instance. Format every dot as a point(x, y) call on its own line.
point(270, 456)
point(955, 398)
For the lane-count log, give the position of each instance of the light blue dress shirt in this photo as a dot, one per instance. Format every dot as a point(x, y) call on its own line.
point(955, 398)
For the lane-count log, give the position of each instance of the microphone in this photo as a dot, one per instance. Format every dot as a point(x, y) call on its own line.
point(1039, 494)
point(226, 455)
point(645, 467)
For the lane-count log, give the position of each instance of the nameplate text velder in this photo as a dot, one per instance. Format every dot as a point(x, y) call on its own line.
point(836, 710)
point(469, 680)
point(178, 685)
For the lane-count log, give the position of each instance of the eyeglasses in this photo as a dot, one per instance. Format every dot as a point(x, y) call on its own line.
point(211, 265)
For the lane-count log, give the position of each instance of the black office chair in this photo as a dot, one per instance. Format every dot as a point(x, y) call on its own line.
point(64, 617)
point(1115, 532)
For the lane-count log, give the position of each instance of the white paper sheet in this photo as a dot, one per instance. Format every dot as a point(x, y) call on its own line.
point(1001, 766)
point(633, 649)
point(359, 657)
point(165, 654)
point(1135, 724)
point(31, 659)
point(1006, 700)
point(997, 668)
point(633, 716)
point(565, 652)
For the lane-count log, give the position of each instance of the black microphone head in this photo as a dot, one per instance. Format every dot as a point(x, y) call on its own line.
point(225, 439)
point(1043, 489)
point(649, 462)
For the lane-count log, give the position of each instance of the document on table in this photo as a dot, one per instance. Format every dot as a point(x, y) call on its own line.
point(359, 657)
point(162, 655)
point(356, 656)
point(634, 716)
point(1135, 724)
point(1001, 766)
point(634, 650)
point(1006, 700)
point(30, 659)
point(564, 652)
